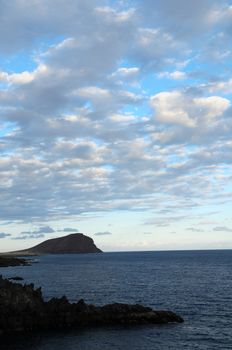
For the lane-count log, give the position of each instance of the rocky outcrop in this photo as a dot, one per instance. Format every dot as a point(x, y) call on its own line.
point(22, 309)
point(72, 244)
point(10, 261)
point(16, 278)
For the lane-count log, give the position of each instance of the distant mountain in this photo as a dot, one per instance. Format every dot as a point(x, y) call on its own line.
point(75, 243)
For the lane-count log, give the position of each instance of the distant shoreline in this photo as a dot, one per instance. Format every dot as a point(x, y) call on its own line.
point(7, 260)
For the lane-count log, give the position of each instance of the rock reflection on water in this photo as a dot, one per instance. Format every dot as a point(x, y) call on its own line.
point(120, 338)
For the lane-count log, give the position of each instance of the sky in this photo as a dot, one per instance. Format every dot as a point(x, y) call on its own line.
point(116, 121)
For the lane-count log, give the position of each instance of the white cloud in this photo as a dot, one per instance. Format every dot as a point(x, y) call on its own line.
point(112, 15)
point(176, 75)
point(171, 107)
point(179, 108)
point(224, 87)
point(211, 107)
point(127, 71)
point(24, 77)
point(93, 92)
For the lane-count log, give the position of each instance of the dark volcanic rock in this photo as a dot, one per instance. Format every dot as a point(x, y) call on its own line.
point(16, 278)
point(22, 308)
point(10, 261)
point(71, 244)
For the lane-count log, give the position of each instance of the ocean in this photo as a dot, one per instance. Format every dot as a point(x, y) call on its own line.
point(195, 284)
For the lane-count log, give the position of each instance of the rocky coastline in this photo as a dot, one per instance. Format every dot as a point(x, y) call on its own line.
point(6, 261)
point(23, 309)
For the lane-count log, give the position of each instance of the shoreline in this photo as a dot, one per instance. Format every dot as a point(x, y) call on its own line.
point(7, 260)
point(23, 309)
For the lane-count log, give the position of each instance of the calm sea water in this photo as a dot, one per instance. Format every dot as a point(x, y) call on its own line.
point(195, 284)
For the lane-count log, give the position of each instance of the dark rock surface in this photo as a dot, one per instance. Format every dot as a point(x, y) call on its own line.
point(10, 261)
point(71, 244)
point(22, 309)
point(16, 278)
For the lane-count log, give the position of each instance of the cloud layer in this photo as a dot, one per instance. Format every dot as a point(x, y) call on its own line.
point(113, 106)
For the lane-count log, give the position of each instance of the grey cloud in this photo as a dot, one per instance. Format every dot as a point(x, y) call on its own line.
point(154, 47)
point(184, 19)
point(28, 236)
point(39, 233)
point(165, 221)
point(37, 17)
point(94, 18)
point(4, 235)
point(105, 233)
point(41, 230)
point(193, 229)
point(69, 229)
point(45, 229)
point(222, 229)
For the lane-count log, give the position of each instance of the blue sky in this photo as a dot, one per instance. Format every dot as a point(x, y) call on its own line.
point(115, 121)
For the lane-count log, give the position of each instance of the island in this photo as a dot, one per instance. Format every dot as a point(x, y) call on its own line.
point(75, 243)
point(23, 309)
